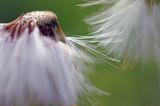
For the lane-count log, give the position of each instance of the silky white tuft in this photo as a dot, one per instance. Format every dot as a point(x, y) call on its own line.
point(39, 66)
point(97, 2)
point(1, 26)
point(130, 29)
point(38, 70)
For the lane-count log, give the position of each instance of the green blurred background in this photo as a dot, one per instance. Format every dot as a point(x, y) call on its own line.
point(136, 87)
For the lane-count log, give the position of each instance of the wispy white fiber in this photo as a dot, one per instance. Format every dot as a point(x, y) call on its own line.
point(95, 2)
point(130, 29)
point(36, 70)
point(1, 26)
point(87, 47)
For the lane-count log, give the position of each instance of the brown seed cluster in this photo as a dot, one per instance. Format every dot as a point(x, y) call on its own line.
point(39, 17)
point(46, 21)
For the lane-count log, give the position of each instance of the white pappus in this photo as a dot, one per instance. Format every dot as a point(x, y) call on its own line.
point(130, 29)
point(40, 66)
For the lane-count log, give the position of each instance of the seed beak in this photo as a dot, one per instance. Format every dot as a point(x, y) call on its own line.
point(57, 30)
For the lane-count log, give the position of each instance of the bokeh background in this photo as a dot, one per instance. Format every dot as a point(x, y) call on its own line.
point(131, 87)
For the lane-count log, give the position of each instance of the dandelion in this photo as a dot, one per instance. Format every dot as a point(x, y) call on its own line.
point(39, 66)
point(130, 29)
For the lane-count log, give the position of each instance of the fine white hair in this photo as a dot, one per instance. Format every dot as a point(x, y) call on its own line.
point(96, 2)
point(36, 70)
point(130, 29)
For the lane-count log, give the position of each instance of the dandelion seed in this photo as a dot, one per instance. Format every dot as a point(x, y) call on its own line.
point(39, 65)
point(130, 29)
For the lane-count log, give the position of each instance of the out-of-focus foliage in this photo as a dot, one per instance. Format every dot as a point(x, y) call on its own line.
point(69, 14)
point(137, 87)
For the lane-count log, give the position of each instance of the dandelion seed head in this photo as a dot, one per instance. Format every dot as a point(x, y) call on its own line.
point(41, 67)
